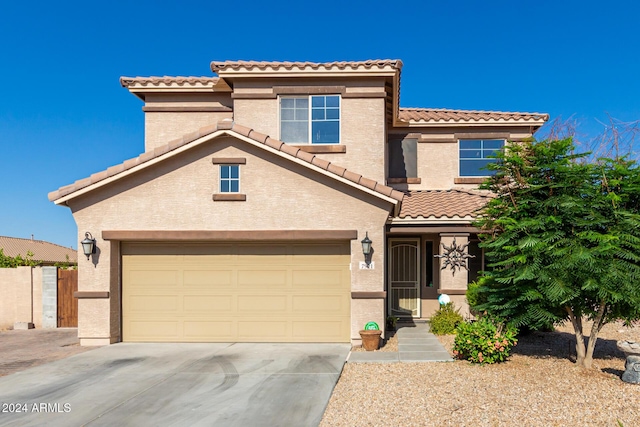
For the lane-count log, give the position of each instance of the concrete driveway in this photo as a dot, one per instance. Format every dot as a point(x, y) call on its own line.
point(177, 384)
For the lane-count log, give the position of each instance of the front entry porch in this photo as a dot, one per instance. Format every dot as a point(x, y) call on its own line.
point(415, 279)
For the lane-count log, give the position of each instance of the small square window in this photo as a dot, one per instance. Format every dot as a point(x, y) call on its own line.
point(229, 178)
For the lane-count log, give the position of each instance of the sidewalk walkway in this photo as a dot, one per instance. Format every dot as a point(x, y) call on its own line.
point(415, 344)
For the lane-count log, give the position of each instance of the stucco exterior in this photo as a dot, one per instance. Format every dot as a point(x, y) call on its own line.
point(280, 195)
point(173, 186)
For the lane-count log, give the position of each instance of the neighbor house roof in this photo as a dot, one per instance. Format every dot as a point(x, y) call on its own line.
point(446, 116)
point(443, 204)
point(44, 252)
point(224, 66)
point(232, 129)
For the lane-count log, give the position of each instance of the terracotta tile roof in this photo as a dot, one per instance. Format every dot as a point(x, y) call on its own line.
point(454, 203)
point(217, 66)
point(230, 127)
point(45, 252)
point(167, 80)
point(441, 115)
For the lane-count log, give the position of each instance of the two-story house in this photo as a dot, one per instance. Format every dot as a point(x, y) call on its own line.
point(248, 215)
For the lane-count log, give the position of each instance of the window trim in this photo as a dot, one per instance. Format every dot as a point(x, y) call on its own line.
point(310, 121)
point(460, 158)
point(230, 179)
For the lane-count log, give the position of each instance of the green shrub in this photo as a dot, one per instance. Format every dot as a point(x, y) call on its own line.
point(445, 320)
point(476, 295)
point(484, 341)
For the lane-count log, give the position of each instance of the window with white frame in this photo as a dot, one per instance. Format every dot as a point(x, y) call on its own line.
point(229, 178)
point(476, 154)
point(313, 119)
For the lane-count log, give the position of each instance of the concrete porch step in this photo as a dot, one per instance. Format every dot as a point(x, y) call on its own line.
point(415, 344)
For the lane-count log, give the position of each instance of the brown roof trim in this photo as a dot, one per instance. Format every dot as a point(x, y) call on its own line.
point(318, 149)
point(413, 230)
point(443, 115)
point(227, 235)
point(368, 295)
point(91, 294)
point(167, 80)
point(232, 129)
point(222, 66)
point(199, 109)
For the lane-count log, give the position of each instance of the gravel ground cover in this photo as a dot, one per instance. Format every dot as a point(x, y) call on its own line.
point(538, 386)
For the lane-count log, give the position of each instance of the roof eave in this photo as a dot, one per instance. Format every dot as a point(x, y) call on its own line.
point(142, 86)
point(433, 220)
point(471, 123)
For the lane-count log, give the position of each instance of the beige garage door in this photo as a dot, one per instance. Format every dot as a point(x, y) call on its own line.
point(293, 292)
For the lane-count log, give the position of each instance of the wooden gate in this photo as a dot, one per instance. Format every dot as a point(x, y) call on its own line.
point(67, 304)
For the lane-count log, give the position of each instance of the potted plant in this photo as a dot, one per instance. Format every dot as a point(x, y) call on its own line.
point(370, 336)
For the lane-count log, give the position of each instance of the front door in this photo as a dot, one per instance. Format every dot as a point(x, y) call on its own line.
point(404, 277)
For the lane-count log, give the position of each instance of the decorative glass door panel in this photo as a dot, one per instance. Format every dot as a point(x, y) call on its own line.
point(404, 277)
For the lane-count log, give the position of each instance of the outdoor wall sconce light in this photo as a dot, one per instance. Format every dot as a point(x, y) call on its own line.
point(366, 248)
point(88, 244)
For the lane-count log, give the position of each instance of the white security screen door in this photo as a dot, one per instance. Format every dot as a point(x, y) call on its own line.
point(404, 277)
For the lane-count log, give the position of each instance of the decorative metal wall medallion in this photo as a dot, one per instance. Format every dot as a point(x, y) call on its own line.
point(455, 256)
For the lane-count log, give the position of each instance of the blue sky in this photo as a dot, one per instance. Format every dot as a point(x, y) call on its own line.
point(64, 116)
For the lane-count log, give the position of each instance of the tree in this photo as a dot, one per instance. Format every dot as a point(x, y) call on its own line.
point(562, 239)
point(17, 261)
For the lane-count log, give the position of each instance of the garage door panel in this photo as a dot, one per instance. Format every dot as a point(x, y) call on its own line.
point(208, 278)
point(156, 330)
point(198, 260)
point(196, 304)
point(249, 304)
point(153, 303)
point(319, 303)
point(314, 278)
point(203, 330)
point(260, 278)
point(322, 329)
point(153, 277)
point(237, 292)
point(261, 330)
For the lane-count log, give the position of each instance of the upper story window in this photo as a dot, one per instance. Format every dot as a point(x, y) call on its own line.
point(229, 178)
point(403, 158)
point(475, 155)
point(313, 119)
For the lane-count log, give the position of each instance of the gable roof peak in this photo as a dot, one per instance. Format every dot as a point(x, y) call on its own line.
point(229, 127)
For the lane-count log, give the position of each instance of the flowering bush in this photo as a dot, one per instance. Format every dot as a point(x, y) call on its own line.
point(445, 320)
point(484, 341)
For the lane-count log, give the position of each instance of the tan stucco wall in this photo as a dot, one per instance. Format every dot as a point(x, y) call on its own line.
point(162, 127)
point(438, 152)
point(21, 300)
point(177, 195)
point(362, 122)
